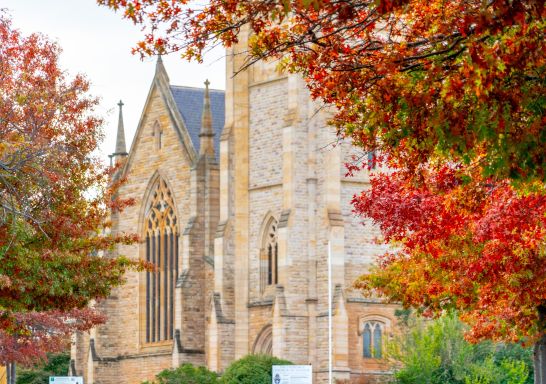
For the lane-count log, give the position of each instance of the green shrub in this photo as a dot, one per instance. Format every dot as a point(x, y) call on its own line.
point(56, 365)
point(251, 369)
point(185, 374)
point(435, 352)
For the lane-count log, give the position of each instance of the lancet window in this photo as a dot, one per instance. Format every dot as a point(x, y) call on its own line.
point(158, 135)
point(269, 255)
point(161, 250)
point(372, 339)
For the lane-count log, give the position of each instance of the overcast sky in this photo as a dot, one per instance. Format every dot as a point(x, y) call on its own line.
point(97, 42)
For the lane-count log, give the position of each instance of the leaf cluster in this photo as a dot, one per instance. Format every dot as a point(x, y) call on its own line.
point(474, 246)
point(186, 373)
point(251, 369)
point(435, 352)
point(54, 365)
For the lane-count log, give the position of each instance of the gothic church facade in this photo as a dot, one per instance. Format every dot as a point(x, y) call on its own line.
point(240, 195)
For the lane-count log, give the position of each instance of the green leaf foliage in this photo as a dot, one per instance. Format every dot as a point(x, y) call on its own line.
point(251, 369)
point(186, 374)
point(435, 352)
point(56, 365)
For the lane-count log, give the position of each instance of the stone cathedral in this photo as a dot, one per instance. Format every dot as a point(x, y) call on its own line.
point(239, 195)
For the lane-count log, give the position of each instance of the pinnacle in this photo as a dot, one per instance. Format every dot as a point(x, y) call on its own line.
point(121, 149)
point(206, 134)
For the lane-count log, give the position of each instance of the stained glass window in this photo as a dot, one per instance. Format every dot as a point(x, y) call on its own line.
point(372, 340)
point(377, 342)
point(367, 339)
point(161, 250)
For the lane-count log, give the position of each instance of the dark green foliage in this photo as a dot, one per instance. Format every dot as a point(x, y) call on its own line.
point(435, 352)
point(186, 374)
point(251, 369)
point(56, 365)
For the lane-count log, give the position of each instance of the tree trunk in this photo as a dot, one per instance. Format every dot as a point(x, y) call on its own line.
point(539, 355)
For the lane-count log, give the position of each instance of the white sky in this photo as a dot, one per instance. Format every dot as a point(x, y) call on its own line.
point(97, 42)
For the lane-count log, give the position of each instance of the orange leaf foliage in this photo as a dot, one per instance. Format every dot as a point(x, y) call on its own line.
point(55, 198)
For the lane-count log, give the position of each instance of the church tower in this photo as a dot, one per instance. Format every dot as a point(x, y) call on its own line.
point(284, 207)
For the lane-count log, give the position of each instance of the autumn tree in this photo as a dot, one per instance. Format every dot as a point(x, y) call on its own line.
point(451, 94)
point(414, 80)
point(55, 200)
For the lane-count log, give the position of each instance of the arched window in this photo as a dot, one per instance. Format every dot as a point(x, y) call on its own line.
point(367, 340)
point(162, 250)
point(158, 135)
point(269, 255)
point(372, 339)
point(263, 345)
point(377, 342)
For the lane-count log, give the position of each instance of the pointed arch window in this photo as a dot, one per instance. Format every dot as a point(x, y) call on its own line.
point(158, 135)
point(372, 339)
point(269, 255)
point(161, 235)
point(263, 345)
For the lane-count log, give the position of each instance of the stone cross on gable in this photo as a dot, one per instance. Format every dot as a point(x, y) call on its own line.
point(121, 104)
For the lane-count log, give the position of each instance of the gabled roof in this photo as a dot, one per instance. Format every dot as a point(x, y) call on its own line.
point(185, 108)
point(189, 101)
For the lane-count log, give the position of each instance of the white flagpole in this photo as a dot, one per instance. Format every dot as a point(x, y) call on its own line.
point(329, 313)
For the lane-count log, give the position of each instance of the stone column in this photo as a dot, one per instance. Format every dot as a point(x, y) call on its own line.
point(289, 161)
point(340, 337)
point(312, 235)
point(240, 110)
point(224, 211)
point(279, 331)
point(213, 350)
point(336, 235)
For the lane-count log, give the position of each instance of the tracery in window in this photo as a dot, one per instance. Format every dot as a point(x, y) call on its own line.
point(269, 255)
point(162, 250)
point(372, 339)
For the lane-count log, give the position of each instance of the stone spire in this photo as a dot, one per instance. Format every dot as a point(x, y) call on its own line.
point(160, 71)
point(121, 149)
point(206, 136)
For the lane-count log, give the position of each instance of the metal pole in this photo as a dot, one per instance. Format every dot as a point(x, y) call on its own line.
point(329, 313)
point(11, 373)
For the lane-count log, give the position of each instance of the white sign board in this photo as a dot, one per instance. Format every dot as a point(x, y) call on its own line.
point(65, 380)
point(292, 374)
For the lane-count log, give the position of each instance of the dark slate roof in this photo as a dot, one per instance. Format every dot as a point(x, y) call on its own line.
point(189, 101)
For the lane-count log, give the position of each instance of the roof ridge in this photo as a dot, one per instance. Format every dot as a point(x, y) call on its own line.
point(201, 89)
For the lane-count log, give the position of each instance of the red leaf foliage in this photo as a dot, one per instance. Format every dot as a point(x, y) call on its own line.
point(55, 201)
point(412, 79)
point(477, 247)
point(26, 337)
